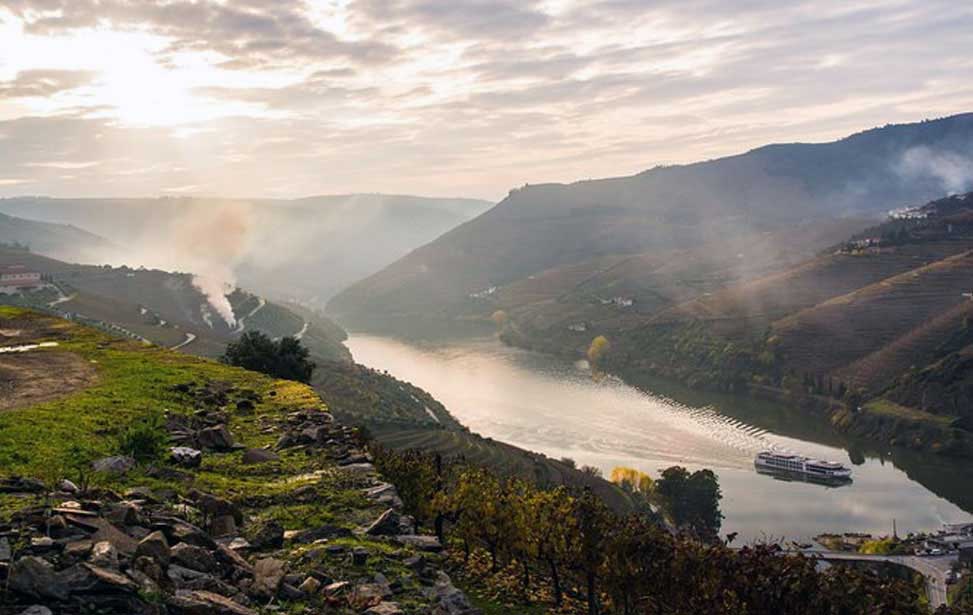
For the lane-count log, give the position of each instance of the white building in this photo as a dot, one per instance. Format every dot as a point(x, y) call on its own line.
point(18, 276)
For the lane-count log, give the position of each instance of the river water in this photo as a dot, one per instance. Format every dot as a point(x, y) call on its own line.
point(555, 406)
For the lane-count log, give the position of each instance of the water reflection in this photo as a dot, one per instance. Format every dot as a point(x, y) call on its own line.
point(553, 406)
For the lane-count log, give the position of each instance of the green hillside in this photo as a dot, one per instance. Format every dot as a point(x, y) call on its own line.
point(703, 218)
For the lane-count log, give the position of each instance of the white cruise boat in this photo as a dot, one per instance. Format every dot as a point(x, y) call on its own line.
point(809, 469)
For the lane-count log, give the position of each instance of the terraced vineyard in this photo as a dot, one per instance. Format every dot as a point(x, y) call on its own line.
point(502, 458)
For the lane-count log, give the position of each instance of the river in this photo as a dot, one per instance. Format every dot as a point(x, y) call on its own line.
point(555, 406)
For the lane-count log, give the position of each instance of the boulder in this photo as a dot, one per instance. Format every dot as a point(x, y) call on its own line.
point(35, 577)
point(253, 456)
point(448, 599)
point(359, 556)
point(67, 486)
point(186, 456)
point(155, 546)
point(216, 438)
point(310, 586)
point(386, 525)
point(115, 465)
point(104, 555)
point(267, 576)
point(269, 535)
point(201, 602)
point(37, 609)
point(336, 589)
point(193, 557)
point(223, 526)
point(123, 513)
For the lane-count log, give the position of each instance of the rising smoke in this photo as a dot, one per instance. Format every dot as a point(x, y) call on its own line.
point(953, 170)
point(209, 240)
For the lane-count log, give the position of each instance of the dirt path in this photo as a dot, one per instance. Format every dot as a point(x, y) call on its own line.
point(28, 378)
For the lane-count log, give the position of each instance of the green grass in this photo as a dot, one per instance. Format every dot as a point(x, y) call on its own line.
point(134, 380)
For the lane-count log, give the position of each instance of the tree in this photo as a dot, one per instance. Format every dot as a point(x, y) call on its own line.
point(692, 500)
point(598, 349)
point(286, 358)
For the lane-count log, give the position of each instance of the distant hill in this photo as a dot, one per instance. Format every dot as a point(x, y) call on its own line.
point(49, 238)
point(305, 249)
point(694, 227)
point(166, 308)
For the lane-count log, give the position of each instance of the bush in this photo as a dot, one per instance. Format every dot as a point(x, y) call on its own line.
point(286, 358)
point(146, 439)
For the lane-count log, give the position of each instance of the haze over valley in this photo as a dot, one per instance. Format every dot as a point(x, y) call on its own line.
point(598, 307)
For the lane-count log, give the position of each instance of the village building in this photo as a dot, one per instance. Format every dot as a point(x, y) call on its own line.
point(18, 277)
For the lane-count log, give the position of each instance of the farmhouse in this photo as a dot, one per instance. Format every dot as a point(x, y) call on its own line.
point(18, 276)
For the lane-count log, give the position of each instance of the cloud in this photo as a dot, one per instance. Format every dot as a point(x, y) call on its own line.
point(452, 98)
point(42, 83)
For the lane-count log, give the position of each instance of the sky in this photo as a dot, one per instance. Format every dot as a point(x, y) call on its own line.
point(252, 98)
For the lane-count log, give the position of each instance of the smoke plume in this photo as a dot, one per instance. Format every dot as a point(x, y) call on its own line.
point(953, 170)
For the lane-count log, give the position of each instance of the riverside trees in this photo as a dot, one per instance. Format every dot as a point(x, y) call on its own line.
point(570, 542)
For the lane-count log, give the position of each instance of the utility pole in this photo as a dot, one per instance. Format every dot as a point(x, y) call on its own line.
point(895, 533)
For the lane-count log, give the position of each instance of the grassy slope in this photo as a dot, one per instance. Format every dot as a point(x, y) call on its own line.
point(136, 379)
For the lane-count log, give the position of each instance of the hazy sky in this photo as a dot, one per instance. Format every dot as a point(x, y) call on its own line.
point(447, 97)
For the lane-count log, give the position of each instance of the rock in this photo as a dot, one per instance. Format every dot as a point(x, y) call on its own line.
point(67, 486)
point(216, 438)
point(37, 609)
point(183, 576)
point(150, 568)
point(35, 577)
point(310, 586)
point(177, 530)
point(386, 525)
point(289, 592)
point(104, 555)
point(186, 456)
point(254, 456)
point(416, 563)
point(270, 535)
point(193, 557)
point(20, 484)
point(116, 465)
point(385, 608)
point(223, 526)
point(448, 600)
point(232, 559)
point(201, 602)
point(214, 506)
point(322, 532)
point(359, 556)
point(155, 546)
point(102, 579)
point(430, 544)
point(76, 549)
point(335, 589)
point(267, 576)
point(41, 543)
point(123, 513)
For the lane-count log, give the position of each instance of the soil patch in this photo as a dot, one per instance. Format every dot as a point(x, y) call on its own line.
point(28, 378)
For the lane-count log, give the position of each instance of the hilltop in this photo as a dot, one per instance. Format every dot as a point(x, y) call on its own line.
point(665, 235)
point(49, 238)
point(306, 249)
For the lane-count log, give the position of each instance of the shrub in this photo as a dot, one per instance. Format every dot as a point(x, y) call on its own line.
point(145, 439)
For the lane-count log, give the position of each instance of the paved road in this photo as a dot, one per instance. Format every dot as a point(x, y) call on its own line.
point(933, 568)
